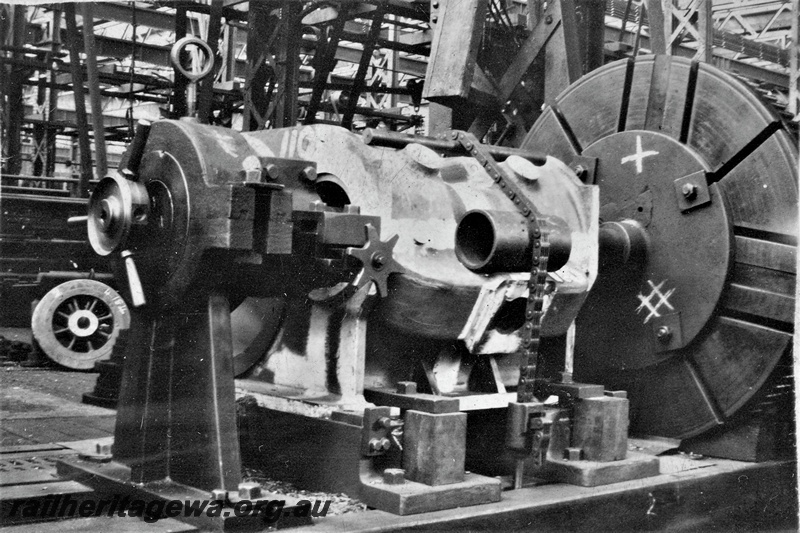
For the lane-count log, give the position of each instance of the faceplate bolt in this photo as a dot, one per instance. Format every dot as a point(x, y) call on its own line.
point(548, 19)
point(689, 190)
point(664, 334)
point(434, 19)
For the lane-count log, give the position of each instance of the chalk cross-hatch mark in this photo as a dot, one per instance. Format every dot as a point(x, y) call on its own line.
point(646, 301)
point(639, 156)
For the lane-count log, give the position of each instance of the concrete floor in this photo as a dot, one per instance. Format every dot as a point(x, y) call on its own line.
point(40, 405)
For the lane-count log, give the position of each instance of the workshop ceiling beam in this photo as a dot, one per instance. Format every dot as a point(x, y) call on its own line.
point(159, 55)
point(614, 35)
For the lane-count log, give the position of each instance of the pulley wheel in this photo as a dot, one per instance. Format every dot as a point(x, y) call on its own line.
point(77, 323)
point(698, 182)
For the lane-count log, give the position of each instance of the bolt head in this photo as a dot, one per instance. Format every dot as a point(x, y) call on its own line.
point(394, 476)
point(548, 19)
point(663, 334)
point(378, 261)
point(249, 490)
point(309, 173)
point(219, 495)
point(251, 175)
point(689, 190)
point(572, 454)
point(406, 387)
point(270, 171)
point(103, 448)
point(377, 445)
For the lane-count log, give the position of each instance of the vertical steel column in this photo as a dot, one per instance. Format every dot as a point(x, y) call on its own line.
point(16, 110)
point(87, 11)
point(324, 62)
point(705, 30)
point(391, 62)
point(256, 101)
point(180, 83)
point(290, 56)
point(658, 24)
point(230, 53)
point(594, 31)
point(205, 94)
point(366, 57)
point(794, 65)
point(80, 103)
point(667, 8)
point(52, 104)
point(40, 126)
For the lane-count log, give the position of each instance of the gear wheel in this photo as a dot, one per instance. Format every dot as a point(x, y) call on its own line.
point(377, 261)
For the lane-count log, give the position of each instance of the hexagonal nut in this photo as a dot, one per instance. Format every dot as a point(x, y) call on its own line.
point(103, 448)
point(252, 175)
point(394, 476)
point(573, 454)
point(407, 387)
point(249, 490)
point(219, 495)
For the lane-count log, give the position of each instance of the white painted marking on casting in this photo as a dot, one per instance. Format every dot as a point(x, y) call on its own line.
point(639, 155)
point(663, 299)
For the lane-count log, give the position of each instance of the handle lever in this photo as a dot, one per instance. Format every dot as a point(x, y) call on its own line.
point(134, 282)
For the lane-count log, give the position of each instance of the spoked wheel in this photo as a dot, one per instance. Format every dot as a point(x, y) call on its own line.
point(698, 187)
point(77, 323)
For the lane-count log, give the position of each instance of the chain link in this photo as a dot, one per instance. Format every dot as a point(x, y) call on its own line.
point(532, 326)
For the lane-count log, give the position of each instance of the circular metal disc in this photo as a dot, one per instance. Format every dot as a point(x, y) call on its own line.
point(732, 303)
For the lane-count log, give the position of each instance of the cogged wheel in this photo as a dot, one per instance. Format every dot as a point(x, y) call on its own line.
point(694, 304)
point(77, 323)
